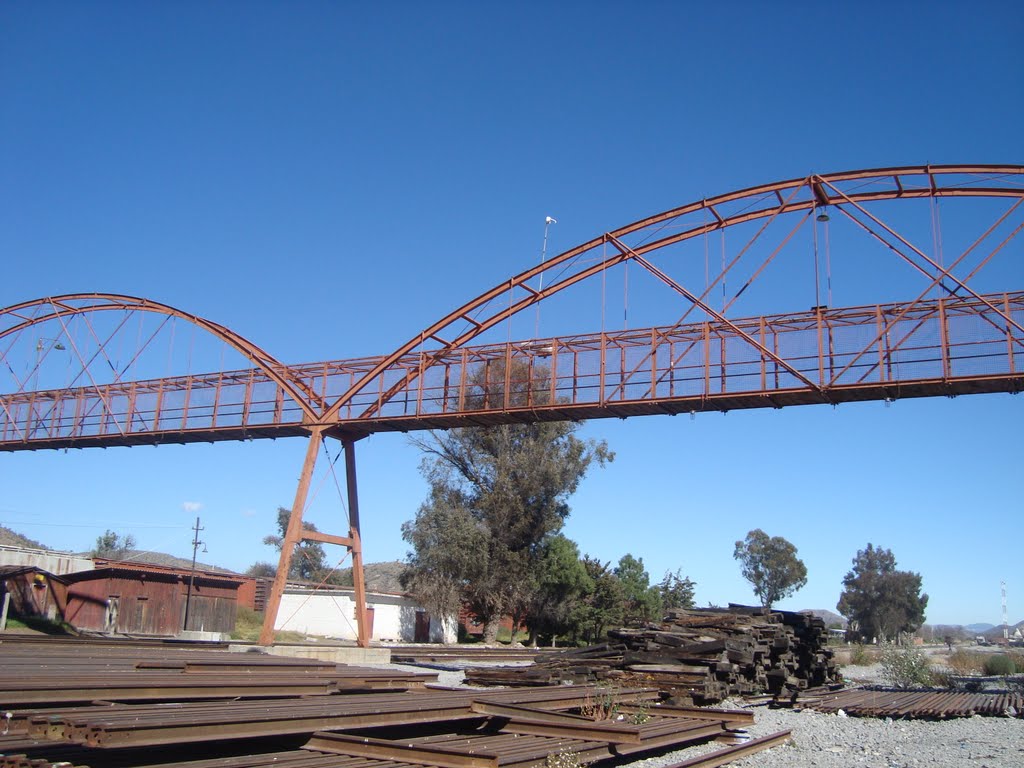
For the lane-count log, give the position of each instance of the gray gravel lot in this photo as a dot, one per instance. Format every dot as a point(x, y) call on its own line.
point(837, 741)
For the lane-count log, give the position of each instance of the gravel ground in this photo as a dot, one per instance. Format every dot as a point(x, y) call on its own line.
point(837, 741)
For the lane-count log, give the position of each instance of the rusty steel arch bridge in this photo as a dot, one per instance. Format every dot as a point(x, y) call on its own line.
point(107, 370)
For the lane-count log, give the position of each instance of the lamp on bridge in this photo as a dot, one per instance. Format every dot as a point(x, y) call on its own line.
point(40, 346)
point(823, 216)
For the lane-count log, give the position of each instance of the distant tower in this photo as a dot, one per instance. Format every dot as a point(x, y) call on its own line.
point(1006, 623)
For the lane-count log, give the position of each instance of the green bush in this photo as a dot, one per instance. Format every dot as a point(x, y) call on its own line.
point(905, 667)
point(999, 664)
point(862, 656)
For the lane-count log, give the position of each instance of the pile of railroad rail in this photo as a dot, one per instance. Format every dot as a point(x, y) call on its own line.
point(874, 701)
point(120, 705)
point(696, 656)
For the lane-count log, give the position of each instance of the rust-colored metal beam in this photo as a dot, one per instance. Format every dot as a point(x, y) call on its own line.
point(67, 305)
point(718, 316)
point(681, 377)
point(293, 535)
point(358, 577)
point(566, 262)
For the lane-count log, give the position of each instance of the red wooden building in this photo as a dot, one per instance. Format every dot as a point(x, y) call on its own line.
point(126, 599)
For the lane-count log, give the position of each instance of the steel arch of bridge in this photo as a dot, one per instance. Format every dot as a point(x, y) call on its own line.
point(357, 407)
point(765, 202)
point(18, 318)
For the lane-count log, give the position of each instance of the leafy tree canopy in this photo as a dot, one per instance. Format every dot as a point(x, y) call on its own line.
point(561, 581)
point(880, 601)
point(602, 606)
point(771, 566)
point(504, 490)
point(261, 570)
point(642, 601)
point(113, 546)
point(448, 555)
point(676, 590)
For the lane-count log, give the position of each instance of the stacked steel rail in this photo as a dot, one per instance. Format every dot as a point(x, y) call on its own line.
point(881, 702)
point(188, 700)
point(81, 672)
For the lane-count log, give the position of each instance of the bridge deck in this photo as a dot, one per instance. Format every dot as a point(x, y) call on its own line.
point(940, 347)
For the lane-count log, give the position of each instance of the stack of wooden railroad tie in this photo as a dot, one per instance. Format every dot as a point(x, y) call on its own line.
point(699, 656)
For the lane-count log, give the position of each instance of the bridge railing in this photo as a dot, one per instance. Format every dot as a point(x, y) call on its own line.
point(782, 359)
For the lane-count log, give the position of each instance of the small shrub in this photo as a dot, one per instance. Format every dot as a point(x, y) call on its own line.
point(602, 706)
point(862, 656)
point(999, 664)
point(641, 715)
point(965, 663)
point(905, 667)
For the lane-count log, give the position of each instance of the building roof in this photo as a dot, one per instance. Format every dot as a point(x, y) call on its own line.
point(144, 557)
point(112, 569)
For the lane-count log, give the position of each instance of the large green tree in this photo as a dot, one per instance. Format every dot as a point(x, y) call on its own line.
point(560, 582)
point(513, 482)
point(771, 566)
point(642, 602)
point(878, 600)
point(449, 551)
point(602, 606)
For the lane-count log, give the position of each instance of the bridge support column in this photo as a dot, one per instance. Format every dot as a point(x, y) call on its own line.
point(295, 533)
point(292, 536)
point(358, 580)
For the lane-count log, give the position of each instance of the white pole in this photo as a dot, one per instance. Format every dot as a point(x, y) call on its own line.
point(548, 221)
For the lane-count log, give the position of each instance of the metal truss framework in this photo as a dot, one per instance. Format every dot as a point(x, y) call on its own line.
point(960, 343)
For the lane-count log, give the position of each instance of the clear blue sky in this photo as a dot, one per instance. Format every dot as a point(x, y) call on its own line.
point(328, 178)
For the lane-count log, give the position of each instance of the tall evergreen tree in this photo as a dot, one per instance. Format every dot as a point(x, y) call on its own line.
point(878, 600)
point(677, 591)
point(642, 601)
point(601, 607)
point(561, 581)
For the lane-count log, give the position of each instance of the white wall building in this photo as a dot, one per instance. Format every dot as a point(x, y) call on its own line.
point(332, 613)
point(57, 563)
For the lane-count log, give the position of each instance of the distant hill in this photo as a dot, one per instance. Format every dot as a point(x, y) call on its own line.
point(14, 539)
point(168, 561)
point(979, 629)
point(831, 619)
point(380, 577)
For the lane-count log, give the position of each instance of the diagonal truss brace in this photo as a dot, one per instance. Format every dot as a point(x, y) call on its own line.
point(706, 308)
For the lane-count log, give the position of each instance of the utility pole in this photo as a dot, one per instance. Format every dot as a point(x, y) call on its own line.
point(192, 576)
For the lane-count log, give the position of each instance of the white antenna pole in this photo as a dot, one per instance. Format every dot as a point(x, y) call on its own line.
point(548, 221)
point(1006, 623)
